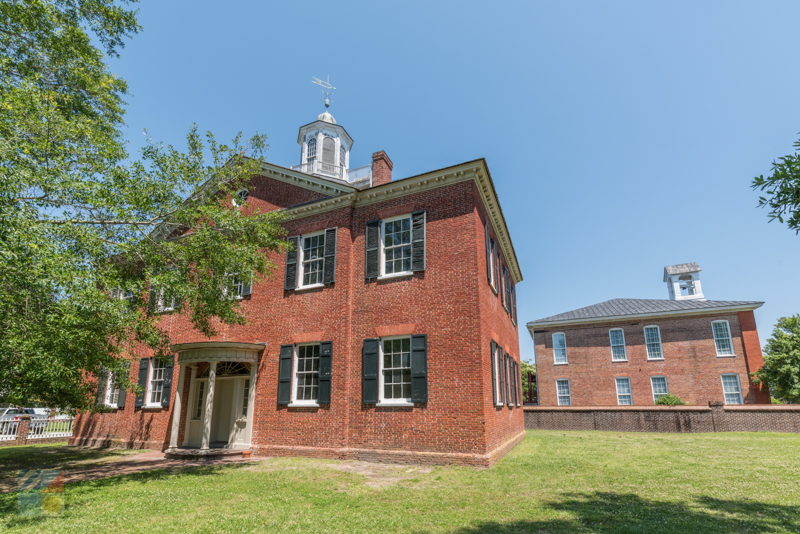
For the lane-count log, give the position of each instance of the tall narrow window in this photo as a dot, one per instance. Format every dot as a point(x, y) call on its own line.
point(617, 339)
point(624, 395)
point(659, 385)
point(112, 392)
point(563, 392)
point(722, 338)
point(342, 156)
point(559, 348)
point(156, 381)
point(245, 396)
point(199, 400)
point(732, 389)
point(397, 245)
point(396, 369)
point(652, 339)
point(312, 257)
point(306, 373)
point(497, 361)
point(311, 149)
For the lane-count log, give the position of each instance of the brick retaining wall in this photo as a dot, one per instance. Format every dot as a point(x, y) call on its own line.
point(715, 418)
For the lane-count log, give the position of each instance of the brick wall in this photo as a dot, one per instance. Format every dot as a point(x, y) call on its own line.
point(690, 361)
point(457, 424)
point(766, 418)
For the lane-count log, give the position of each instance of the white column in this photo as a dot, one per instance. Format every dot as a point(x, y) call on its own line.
point(251, 402)
point(189, 407)
point(176, 409)
point(212, 378)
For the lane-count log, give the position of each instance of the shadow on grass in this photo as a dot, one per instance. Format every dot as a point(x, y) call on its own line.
point(9, 501)
point(615, 512)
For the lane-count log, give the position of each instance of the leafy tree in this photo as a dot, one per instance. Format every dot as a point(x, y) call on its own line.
point(83, 223)
point(527, 368)
point(670, 400)
point(781, 371)
point(781, 189)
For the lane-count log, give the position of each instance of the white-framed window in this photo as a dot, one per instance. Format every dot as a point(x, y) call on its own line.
point(199, 400)
point(616, 337)
point(624, 394)
point(311, 260)
point(396, 246)
point(237, 286)
point(659, 385)
point(497, 362)
point(563, 392)
point(164, 302)
point(305, 387)
point(732, 388)
point(559, 348)
point(121, 294)
point(245, 397)
point(311, 149)
point(395, 370)
point(492, 265)
point(112, 392)
point(722, 337)
point(652, 340)
point(155, 382)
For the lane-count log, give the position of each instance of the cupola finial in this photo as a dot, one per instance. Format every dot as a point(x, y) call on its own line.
point(327, 90)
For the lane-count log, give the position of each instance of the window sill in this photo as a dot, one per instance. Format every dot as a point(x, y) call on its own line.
point(560, 363)
point(620, 361)
point(655, 359)
point(395, 404)
point(308, 288)
point(152, 407)
point(111, 407)
point(404, 274)
point(726, 355)
point(303, 405)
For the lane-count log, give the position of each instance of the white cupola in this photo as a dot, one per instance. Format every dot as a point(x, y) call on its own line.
point(325, 146)
point(683, 281)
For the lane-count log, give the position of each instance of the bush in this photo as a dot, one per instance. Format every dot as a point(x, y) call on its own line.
point(670, 400)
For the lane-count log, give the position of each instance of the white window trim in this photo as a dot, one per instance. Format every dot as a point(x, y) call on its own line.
point(236, 198)
point(730, 339)
point(630, 388)
point(653, 389)
point(381, 400)
point(738, 381)
point(569, 388)
point(148, 389)
point(300, 258)
point(294, 401)
point(566, 352)
point(492, 265)
point(382, 256)
point(232, 277)
point(496, 363)
point(660, 342)
point(611, 345)
point(109, 390)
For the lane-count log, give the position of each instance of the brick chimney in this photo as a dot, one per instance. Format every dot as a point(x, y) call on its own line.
point(381, 168)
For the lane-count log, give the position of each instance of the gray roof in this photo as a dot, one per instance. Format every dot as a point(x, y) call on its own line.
point(681, 268)
point(625, 307)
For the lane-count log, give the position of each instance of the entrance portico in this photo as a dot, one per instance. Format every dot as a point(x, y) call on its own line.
point(221, 396)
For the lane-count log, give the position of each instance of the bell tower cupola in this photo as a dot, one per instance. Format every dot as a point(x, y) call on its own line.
point(324, 144)
point(683, 281)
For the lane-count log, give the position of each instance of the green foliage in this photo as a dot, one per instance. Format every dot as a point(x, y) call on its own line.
point(781, 371)
point(670, 400)
point(80, 218)
point(781, 190)
point(527, 368)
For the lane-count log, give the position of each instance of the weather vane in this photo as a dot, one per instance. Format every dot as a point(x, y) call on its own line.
point(327, 89)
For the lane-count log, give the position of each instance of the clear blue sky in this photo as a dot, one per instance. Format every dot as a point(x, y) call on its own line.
point(622, 136)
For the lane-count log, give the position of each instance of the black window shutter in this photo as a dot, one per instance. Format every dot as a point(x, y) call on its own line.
point(518, 378)
point(508, 379)
point(102, 380)
point(329, 263)
point(325, 353)
point(419, 368)
point(513, 303)
point(290, 279)
point(123, 392)
point(493, 346)
point(369, 371)
point(506, 290)
point(418, 241)
point(144, 364)
point(500, 369)
point(373, 237)
point(488, 254)
point(285, 374)
point(497, 282)
point(165, 393)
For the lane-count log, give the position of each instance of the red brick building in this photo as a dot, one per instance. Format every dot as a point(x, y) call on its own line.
point(388, 331)
point(632, 351)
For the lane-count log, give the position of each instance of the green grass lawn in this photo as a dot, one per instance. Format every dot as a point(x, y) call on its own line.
point(552, 482)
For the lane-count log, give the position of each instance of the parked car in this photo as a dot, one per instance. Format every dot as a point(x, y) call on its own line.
point(38, 422)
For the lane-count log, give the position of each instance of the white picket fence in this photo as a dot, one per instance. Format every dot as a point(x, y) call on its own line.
point(52, 427)
point(8, 430)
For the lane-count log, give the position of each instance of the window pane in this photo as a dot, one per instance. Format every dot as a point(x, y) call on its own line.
point(397, 369)
point(652, 339)
point(397, 246)
point(617, 338)
point(722, 338)
point(307, 375)
point(313, 259)
point(562, 390)
point(157, 381)
point(624, 396)
point(732, 389)
point(559, 348)
point(659, 384)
